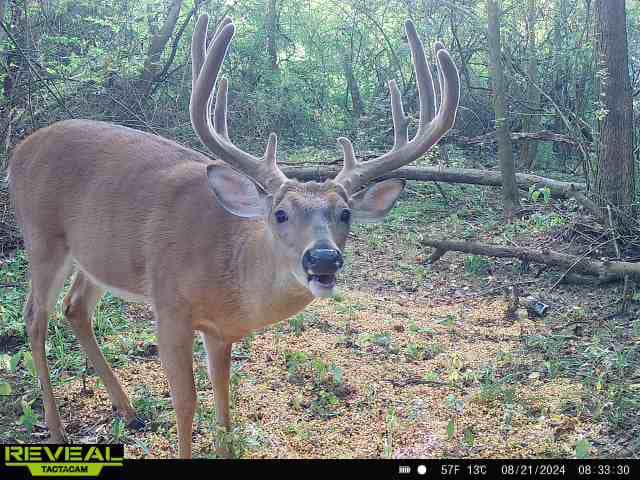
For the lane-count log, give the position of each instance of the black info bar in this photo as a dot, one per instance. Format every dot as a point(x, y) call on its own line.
point(107, 462)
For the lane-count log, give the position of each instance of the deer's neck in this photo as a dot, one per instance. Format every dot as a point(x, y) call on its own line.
point(275, 293)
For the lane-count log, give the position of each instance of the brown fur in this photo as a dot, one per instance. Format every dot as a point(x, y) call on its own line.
point(134, 213)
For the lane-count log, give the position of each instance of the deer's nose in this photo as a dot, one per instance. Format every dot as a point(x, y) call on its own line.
point(322, 261)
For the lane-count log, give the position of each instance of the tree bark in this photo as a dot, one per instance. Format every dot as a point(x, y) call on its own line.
point(529, 150)
point(159, 40)
point(272, 28)
point(357, 104)
point(505, 154)
point(3, 4)
point(613, 170)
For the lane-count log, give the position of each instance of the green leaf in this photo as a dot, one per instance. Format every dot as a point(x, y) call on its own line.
point(5, 388)
point(27, 359)
point(15, 360)
point(450, 429)
point(431, 377)
point(469, 437)
point(535, 195)
point(582, 448)
point(29, 417)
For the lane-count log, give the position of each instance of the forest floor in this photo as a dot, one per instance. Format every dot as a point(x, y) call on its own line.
point(409, 360)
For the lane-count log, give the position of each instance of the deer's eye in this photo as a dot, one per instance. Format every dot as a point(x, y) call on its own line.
point(345, 216)
point(281, 216)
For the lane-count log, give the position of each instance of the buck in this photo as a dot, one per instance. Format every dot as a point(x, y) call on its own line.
point(222, 246)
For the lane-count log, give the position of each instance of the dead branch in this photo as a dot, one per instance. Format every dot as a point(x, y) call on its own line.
point(487, 138)
point(559, 189)
point(600, 268)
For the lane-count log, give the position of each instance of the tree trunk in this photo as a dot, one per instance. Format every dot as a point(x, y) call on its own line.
point(271, 28)
point(3, 4)
point(357, 104)
point(530, 149)
point(560, 74)
point(159, 40)
point(505, 154)
point(613, 170)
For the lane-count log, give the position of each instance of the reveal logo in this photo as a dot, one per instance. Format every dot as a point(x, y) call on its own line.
point(61, 460)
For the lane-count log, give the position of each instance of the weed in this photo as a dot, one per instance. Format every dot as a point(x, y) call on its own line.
point(477, 265)
point(295, 362)
point(582, 449)
point(391, 424)
point(415, 352)
point(151, 408)
point(29, 417)
point(118, 430)
point(296, 324)
point(325, 404)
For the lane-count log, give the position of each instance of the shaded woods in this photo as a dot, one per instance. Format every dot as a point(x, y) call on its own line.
point(308, 70)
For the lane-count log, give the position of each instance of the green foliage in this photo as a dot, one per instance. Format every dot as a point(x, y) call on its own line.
point(29, 417)
point(451, 428)
point(537, 194)
point(118, 430)
point(582, 449)
point(296, 323)
point(477, 265)
point(5, 388)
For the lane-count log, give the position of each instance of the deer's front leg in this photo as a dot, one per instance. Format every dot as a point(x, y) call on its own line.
point(175, 342)
point(219, 354)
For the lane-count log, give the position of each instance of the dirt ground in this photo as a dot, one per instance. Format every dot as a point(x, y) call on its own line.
point(410, 360)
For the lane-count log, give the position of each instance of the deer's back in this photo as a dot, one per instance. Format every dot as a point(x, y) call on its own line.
point(123, 201)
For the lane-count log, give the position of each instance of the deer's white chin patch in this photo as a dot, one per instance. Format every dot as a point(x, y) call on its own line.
point(322, 286)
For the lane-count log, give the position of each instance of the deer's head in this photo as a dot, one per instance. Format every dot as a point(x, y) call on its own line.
point(310, 221)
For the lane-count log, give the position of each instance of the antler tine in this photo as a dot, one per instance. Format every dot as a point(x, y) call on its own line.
point(426, 94)
point(432, 127)
point(199, 43)
point(198, 47)
point(206, 64)
point(400, 120)
point(436, 48)
point(220, 109)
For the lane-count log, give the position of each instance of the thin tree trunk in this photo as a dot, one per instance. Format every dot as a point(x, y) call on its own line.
point(3, 4)
point(357, 104)
point(272, 26)
point(505, 154)
point(613, 173)
point(559, 93)
point(159, 39)
point(530, 149)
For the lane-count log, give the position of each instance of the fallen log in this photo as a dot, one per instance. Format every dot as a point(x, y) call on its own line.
point(604, 269)
point(473, 176)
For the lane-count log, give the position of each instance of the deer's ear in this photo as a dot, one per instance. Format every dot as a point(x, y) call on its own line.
point(237, 193)
point(373, 203)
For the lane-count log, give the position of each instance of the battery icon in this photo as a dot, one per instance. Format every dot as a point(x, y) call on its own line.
point(404, 469)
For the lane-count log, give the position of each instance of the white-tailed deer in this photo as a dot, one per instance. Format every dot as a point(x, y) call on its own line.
point(222, 247)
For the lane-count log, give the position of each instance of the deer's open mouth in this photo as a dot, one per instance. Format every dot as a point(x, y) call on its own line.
point(326, 281)
point(322, 285)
